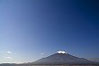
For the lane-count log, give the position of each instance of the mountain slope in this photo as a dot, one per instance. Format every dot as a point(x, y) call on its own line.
point(94, 59)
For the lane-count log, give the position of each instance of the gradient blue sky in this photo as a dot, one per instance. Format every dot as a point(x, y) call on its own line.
point(32, 29)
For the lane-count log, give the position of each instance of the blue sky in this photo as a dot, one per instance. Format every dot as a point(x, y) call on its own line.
point(32, 29)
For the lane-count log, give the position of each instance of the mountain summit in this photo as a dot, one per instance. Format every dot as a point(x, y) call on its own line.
point(61, 57)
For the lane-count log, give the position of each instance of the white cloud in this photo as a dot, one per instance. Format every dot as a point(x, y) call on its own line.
point(9, 52)
point(8, 57)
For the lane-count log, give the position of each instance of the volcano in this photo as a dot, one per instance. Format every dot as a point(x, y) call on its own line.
point(62, 58)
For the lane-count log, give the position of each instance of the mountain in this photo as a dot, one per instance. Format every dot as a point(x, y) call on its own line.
point(62, 58)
